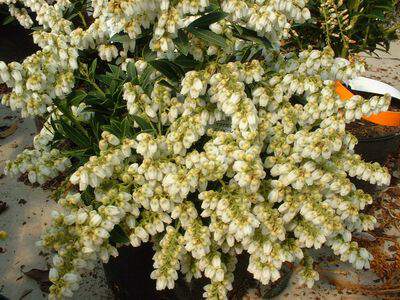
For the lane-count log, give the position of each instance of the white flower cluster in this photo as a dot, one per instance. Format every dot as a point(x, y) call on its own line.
point(80, 237)
point(99, 168)
point(21, 15)
point(108, 52)
point(166, 260)
point(270, 182)
point(307, 274)
point(41, 163)
point(40, 166)
point(159, 106)
point(81, 113)
point(49, 73)
point(267, 18)
point(357, 107)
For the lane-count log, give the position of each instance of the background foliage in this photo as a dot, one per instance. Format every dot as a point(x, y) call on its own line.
point(349, 26)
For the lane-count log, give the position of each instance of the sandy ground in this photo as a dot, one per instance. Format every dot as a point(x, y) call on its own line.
point(27, 215)
point(29, 210)
point(386, 66)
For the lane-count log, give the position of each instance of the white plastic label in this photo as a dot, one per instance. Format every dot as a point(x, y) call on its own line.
point(363, 84)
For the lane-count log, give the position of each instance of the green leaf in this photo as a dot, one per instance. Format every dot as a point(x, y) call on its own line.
point(209, 37)
point(182, 42)
point(77, 97)
point(36, 28)
point(119, 38)
point(95, 126)
point(145, 77)
point(77, 137)
point(118, 235)
point(92, 69)
point(113, 87)
point(186, 62)
point(142, 123)
point(115, 127)
point(104, 78)
point(116, 71)
point(88, 196)
point(146, 74)
point(72, 16)
point(167, 84)
point(250, 35)
point(208, 19)
point(79, 154)
point(246, 54)
point(168, 69)
point(8, 20)
point(127, 127)
point(148, 54)
point(214, 5)
point(131, 70)
point(65, 108)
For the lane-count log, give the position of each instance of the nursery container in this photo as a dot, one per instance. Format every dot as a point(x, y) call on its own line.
point(379, 135)
point(128, 276)
point(378, 144)
point(16, 43)
point(377, 149)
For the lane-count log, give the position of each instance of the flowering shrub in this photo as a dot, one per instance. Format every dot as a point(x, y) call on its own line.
point(200, 136)
point(349, 26)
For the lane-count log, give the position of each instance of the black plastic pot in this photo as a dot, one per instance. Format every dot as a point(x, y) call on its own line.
point(244, 282)
point(377, 149)
point(128, 276)
point(16, 43)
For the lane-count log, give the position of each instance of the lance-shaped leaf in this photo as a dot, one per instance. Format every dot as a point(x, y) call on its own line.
point(208, 19)
point(208, 36)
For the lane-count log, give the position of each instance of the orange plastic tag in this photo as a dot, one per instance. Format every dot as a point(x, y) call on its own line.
point(387, 118)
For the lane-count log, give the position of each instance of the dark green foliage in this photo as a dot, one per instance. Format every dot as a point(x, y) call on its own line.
point(102, 94)
point(361, 25)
